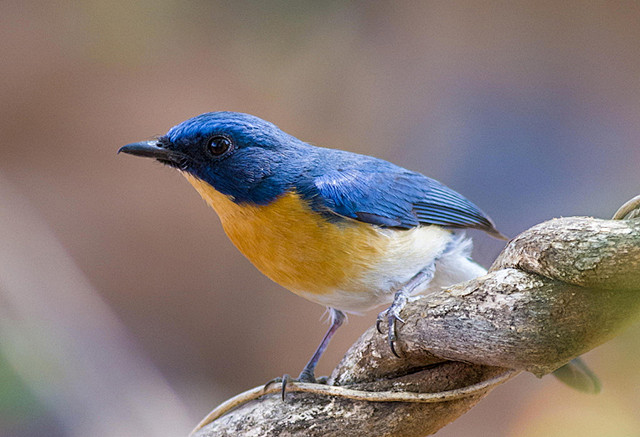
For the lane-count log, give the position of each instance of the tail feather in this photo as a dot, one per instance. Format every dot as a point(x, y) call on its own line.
point(576, 374)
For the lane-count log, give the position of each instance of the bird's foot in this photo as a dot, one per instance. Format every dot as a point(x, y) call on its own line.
point(285, 380)
point(400, 299)
point(392, 315)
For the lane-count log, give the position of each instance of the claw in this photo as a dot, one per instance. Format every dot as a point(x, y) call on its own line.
point(273, 381)
point(393, 348)
point(392, 336)
point(379, 322)
point(396, 317)
point(284, 379)
point(392, 314)
point(322, 380)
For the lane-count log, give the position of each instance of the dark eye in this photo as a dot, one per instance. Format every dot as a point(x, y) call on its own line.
point(218, 145)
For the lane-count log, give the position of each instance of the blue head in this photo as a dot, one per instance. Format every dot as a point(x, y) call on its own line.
point(238, 154)
point(254, 162)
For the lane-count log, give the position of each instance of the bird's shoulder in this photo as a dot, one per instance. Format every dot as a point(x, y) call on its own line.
point(375, 191)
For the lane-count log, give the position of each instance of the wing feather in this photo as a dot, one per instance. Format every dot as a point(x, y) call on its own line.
point(383, 194)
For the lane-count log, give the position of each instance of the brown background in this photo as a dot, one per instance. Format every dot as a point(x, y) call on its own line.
point(530, 109)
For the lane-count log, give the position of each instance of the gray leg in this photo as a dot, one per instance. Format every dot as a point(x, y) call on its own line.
point(392, 314)
point(307, 374)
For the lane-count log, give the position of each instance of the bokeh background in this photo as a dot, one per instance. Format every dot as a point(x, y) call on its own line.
point(124, 310)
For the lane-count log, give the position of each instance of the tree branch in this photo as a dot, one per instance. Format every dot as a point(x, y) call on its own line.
point(556, 291)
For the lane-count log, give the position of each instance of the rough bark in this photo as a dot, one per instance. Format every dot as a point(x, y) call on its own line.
point(556, 291)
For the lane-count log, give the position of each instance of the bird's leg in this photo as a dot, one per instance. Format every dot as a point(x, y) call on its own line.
point(307, 374)
point(392, 314)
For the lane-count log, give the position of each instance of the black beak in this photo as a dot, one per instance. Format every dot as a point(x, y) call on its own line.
point(148, 149)
point(153, 149)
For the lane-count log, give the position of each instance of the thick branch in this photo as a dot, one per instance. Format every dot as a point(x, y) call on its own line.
point(599, 254)
point(555, 292)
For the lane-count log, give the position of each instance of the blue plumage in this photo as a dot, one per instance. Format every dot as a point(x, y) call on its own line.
point(283, 203)
point(264, 162)
point(378, 192)
point(311, 218)
point(268, 162)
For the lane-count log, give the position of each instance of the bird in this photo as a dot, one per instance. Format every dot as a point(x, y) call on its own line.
point(347, 231)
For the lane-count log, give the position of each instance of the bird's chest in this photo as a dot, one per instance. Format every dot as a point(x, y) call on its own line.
point(293, 245)
point(309, 255)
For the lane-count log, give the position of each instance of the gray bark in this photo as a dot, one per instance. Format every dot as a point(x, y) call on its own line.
point(556, 291)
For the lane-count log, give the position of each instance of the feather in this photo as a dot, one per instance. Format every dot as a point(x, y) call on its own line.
point(380, 193)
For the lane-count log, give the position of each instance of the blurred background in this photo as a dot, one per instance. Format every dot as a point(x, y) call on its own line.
point(124, 309)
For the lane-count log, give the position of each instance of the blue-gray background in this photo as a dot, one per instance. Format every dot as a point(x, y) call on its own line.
point(530, 109)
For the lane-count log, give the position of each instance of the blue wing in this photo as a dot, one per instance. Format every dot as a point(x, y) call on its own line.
point(380, 193)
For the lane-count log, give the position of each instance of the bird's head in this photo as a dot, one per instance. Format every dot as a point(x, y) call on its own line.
point(239, 155)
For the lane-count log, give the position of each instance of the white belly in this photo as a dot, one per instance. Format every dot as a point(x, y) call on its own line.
point(415, 250)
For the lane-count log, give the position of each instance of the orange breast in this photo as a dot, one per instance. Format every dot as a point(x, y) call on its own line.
point(293, 245)
point(326, 262)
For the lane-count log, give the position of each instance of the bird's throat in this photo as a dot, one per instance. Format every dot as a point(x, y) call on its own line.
point(286, 240)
